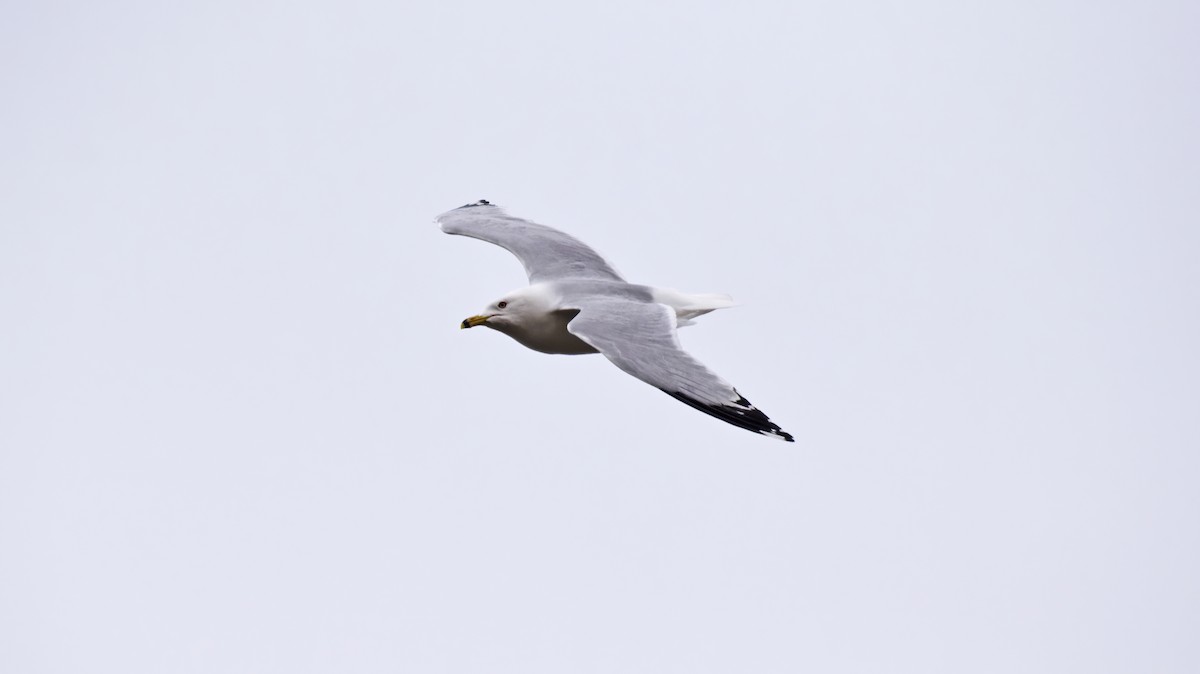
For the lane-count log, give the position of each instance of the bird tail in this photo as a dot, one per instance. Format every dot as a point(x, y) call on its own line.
point(688, 306)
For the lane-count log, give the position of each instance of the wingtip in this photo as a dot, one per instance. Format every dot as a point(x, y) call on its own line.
point(779, 435)
point(445, 220)
point(740, 413)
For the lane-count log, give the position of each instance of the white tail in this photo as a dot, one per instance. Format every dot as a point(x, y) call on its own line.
point(688, 306)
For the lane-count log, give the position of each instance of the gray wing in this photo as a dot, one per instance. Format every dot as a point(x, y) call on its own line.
point(546, 253)
point(640, 338)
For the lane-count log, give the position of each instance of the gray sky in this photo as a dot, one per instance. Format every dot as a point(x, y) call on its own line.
point(240, 430)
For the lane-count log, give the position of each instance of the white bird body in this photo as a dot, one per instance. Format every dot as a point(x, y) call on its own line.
point(537, 315)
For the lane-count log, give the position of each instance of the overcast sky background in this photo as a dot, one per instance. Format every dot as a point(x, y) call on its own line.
point(240, 430)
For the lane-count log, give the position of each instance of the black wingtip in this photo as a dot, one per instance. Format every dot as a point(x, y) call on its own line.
point(740, 413)
point(481, 202)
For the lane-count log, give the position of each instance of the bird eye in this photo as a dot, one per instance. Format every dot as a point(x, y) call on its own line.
point(502, 305)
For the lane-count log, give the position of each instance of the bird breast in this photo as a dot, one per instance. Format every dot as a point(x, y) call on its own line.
point(548, 336)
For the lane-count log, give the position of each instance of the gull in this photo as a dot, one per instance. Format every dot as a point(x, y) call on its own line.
point(577, 303)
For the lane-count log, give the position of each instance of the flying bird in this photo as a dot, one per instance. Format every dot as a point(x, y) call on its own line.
point(576, 303)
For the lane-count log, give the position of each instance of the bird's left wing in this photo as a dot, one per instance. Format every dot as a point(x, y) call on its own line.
point(640, 338)
point(546, 253)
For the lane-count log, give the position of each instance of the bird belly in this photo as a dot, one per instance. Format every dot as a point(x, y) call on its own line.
point(566, 343)
point(550, 337)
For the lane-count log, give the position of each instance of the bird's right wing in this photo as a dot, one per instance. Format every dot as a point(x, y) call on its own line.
point(640, 338)
point(546, 253)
